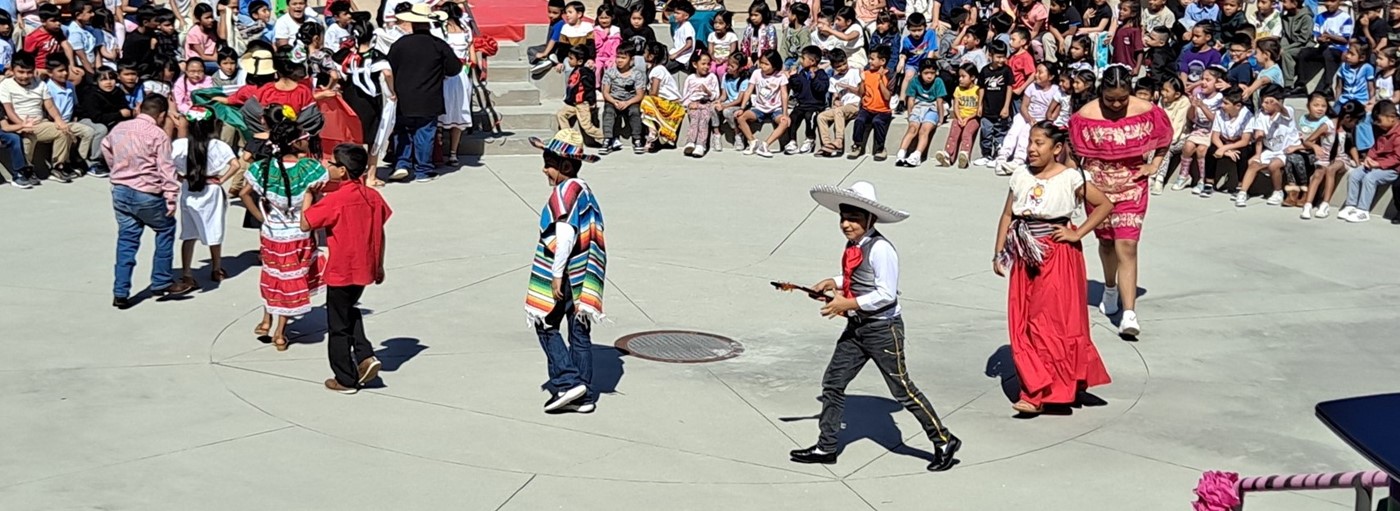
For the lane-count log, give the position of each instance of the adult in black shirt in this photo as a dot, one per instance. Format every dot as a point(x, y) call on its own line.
point(420, 62)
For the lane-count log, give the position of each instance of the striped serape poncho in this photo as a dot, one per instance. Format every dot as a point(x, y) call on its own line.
point(571, 202)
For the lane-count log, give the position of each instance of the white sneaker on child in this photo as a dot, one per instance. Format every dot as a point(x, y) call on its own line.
point(763, 150)
point(1003, 168)
point(981, 162)
point(716, 143)
point(806, 147)
point(699, 151)
point(1345, 212)
point(1156, 187)
point(1359, 216)
point(1129, 324)
point(1275, 198)
point(1181, 183)
point(751, 149)
point(1241, 198)
point(943, 158)
point(790, 148)
point(1322, 210)
point(689, 150)
point(739, 145)
point(1307, 213)
point(1109, 304)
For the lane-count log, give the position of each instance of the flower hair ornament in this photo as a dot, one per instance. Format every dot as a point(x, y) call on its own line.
point(199, 113)
point(289, 113)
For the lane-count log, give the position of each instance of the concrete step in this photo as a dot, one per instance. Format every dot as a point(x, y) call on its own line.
point(514, 118)
point(513, 94)
point(509, 51)
point(508, 143)
point(509, 71)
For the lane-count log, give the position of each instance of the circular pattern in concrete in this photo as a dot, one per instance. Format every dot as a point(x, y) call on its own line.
point(679, 346)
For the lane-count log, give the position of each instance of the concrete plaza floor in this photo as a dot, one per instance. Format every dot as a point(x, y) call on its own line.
point(1250, 317)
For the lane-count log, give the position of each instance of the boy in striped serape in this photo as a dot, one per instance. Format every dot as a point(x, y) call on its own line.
point(566, 279)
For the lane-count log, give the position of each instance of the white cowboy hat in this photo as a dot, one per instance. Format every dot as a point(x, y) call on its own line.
point(421, 13)
point(861, 195)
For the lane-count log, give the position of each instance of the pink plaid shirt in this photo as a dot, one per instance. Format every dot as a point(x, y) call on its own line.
point(139, 152)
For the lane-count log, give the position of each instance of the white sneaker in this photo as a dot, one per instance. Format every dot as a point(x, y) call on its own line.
point(740, 145)
point(900, 156)
point(689, 150)
point(943, 158)
point(914, 160)
point(566, 397)
point(1241, 198)
point(1109, 304)
point(1275, 198)
point(806, 147)
point(763, 150)
point(1200, 187)
point(1157, 187)
point(1359, 216)
point(1003, 168)
point(1129, 324)
point(1345, 212)
point(1322, 210)
point(751, 149)
point(962, 160)
point(790, 148)
point(716, 143)
point(399, 174)
point(616, 145)
point(699, 151)
point(981, 162)
point(1181, 183)
point(1307, 213)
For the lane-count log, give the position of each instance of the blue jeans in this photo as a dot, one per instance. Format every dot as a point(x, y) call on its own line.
point(414, 138)
point(571, 364)
point(1362, 183)
point(135, 211)
point(993, 132)
point(13, 146)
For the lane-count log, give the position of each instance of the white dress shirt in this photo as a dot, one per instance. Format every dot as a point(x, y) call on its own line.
point(885, 261)
point(564, 238)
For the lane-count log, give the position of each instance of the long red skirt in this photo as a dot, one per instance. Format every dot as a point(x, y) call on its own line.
point(1048, 322)
point(291, 274)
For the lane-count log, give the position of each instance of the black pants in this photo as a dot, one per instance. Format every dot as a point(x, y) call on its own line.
point(865, 120)
point(803, 115)
point(882, 341)
point(1218, 169)
point(348, 345)
point(1309, 61)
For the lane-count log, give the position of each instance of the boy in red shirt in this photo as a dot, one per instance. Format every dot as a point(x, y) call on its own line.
point(1022, 65)
point(48, 39)
point(353, 215)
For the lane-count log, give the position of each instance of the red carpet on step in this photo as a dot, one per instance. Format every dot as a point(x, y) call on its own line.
point(505, 20)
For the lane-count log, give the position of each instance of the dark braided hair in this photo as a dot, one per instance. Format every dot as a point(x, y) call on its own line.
point(197, 152)
point(282, 134)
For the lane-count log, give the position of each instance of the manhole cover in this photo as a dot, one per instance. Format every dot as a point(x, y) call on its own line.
point(679, 346)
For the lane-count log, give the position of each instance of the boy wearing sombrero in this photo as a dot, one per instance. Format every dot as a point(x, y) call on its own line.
point(867, 295)
point(566, 280)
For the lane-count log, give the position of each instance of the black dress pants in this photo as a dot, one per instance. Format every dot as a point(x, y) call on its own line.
point(881, 341)
point(347, 344)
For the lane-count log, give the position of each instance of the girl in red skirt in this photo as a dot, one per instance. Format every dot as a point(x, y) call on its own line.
point(1047, 316)
point(291, 263)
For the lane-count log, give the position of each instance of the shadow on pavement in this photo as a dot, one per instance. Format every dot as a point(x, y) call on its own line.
point(1001, 365)
point(607, 369)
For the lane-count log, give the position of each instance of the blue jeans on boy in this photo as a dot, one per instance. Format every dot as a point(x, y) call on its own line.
point(572, 364)
point(993, 132)
point(414, 138)
point(1362, 184)
point(135, 211)
point(13, 146)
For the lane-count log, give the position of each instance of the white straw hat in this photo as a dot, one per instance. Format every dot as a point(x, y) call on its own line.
point(861, 195)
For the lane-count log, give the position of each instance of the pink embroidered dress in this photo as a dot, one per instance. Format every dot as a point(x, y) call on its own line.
point(1112, 153)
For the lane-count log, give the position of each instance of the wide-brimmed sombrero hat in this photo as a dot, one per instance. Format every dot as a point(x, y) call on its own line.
point(421, 13)
point(861, 195)
point(257, 62)
point(567, 142)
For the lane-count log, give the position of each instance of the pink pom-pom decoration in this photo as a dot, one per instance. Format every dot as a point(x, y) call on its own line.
point(1217, 491)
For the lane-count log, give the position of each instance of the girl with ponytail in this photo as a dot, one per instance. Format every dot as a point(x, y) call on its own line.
point(291, 264)
point(204, 162)
point(1039, 252)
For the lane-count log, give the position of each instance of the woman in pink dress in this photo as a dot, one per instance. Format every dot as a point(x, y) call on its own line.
point(1120, 140)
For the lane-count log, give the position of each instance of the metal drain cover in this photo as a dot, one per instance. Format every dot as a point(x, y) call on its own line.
point(679, 346)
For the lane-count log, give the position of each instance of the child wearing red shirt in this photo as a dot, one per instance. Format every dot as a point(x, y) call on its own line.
point(1022, 65)
point(353, 215)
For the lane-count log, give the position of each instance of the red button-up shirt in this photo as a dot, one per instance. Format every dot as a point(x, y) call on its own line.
point(354, 216)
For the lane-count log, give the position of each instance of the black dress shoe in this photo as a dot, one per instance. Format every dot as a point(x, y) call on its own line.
point(121, 303)
point(810, 455)
point(943, 454)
